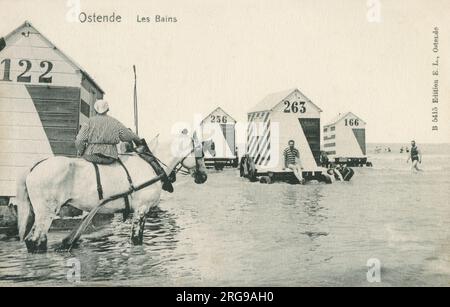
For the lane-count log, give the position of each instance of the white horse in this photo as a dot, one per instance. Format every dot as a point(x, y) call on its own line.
point(60, 181)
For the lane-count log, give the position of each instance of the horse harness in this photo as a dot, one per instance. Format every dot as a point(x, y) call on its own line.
point(159, 175)
point(126, 212)
point(37, 163)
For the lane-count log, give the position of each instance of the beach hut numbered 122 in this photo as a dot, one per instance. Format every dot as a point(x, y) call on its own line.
point(44, 98)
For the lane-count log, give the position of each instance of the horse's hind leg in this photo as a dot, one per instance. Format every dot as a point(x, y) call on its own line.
point(36, 240)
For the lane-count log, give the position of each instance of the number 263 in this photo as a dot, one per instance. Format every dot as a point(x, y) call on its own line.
point(294, 107)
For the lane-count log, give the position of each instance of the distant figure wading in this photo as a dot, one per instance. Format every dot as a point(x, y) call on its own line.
point(292, 161)
point(415, 156)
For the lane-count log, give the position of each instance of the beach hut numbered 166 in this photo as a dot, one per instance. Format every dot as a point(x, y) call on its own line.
point(344, 140)
point(220, 127)
point(44, 98)
point(272, 123)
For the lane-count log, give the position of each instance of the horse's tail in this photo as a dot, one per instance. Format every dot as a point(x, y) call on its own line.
point(25, 212)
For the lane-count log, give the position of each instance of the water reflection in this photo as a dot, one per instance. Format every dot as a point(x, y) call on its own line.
point(113, 257)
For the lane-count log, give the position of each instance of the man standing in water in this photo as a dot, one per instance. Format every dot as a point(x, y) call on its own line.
point(415, 156)
point(292, 161)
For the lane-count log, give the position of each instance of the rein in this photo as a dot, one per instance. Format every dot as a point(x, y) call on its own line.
point(176, 168)
point(179, 166)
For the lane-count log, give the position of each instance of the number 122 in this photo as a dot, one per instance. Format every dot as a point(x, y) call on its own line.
point(23, 77)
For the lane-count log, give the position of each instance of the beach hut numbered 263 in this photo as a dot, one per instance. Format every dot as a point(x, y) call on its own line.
point(344, 140)
point(277, 119)
point(220, 127)
point(44, 98)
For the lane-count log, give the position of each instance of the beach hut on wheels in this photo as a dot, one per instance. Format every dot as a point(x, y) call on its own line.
point(220, 127)
point(44, 98)
point(272, 123)
point(344, 140)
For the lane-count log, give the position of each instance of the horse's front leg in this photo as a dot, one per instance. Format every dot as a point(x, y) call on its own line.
point(137, 228)
point(141, 203)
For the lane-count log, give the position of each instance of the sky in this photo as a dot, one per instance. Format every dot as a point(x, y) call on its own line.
point(233, 53)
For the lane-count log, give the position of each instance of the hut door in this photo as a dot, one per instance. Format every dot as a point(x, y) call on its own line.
point(228, 134)
point(311, 129)
point(92, 98)
point(360, 135)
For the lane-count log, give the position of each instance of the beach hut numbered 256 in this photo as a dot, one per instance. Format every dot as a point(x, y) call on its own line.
point(272, 123)
point(344, 140)
point(220, 127)
point(44, 98)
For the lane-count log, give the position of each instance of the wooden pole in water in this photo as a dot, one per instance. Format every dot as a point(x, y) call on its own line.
point(136, 116)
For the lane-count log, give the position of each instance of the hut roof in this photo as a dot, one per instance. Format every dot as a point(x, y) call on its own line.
point(72, 62)
point(272, 100)
point(217, 109)
point(340, 117)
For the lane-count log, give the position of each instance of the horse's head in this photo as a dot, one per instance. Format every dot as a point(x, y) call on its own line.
point(190, 150)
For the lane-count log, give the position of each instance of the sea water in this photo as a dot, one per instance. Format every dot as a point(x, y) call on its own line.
point(233, 232)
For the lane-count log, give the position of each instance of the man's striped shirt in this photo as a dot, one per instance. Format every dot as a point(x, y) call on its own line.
point(290, 155)
point(100, 135)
